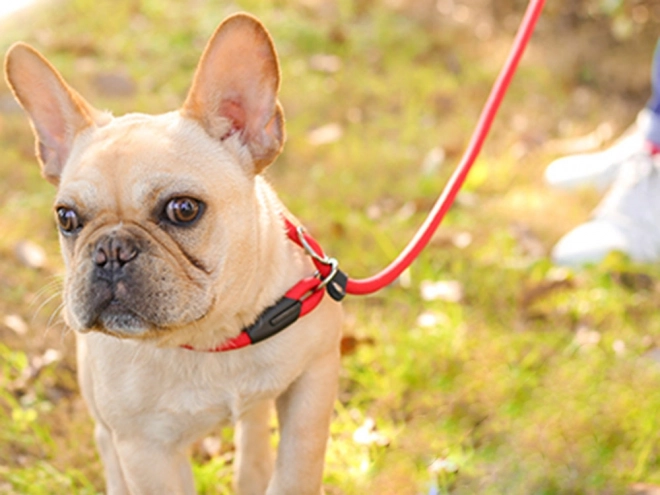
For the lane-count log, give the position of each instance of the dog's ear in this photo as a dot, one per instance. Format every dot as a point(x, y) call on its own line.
point(235, 88)
point(56, 111)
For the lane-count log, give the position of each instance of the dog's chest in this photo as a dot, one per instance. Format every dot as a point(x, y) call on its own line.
point(175, 393)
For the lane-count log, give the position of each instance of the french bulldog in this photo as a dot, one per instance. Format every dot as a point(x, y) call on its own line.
point(173, 240)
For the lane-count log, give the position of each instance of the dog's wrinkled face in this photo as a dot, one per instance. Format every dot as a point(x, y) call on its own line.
point(158, 215)
point(141, 211)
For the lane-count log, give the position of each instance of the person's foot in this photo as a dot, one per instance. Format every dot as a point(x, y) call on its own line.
point(627, 219)
point(598, 169)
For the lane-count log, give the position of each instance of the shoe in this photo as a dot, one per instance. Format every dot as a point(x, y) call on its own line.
point(598, 170)
point(627, 219)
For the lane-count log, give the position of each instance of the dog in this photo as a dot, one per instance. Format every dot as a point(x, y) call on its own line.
point(172, 240)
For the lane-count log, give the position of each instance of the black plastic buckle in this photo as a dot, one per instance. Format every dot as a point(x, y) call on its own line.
point(336, 285)
point(336, 281)
point(274, 319)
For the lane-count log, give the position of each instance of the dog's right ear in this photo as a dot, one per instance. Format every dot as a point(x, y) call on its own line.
point(235, 87)
point(56, 111)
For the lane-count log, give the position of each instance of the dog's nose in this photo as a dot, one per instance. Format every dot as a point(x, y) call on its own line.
point(114, 251)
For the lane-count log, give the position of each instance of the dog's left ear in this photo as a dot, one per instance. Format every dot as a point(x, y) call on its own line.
point(56, 111)
point(235, 88)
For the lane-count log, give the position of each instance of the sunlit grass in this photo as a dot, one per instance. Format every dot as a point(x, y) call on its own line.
point(535, 381)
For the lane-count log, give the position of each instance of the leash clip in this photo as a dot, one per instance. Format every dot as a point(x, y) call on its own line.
point(335, 282)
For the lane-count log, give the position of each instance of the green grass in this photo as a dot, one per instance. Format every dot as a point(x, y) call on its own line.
point(538, 381)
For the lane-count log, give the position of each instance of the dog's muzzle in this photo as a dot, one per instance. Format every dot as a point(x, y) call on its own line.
point(111, 298)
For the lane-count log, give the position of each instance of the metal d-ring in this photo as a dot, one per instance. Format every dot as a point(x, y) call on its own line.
point(334, 264)
point(325, 259)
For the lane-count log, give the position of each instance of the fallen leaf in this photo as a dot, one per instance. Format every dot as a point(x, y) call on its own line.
point(49, 357)
point(326, 134)
point(367, 434)
point(211, 446)
point(433, 161)
point(619, 347)
point(447, 239)
point(644, 489)
point(36, 365)
point(349, 344)
point(30, 254)
point(442, 290)
point(16, 324)
point(407, 210)
point(429, 319)
point(443, 465)
point(586, 337)
point(405, 279)
point(461, 239)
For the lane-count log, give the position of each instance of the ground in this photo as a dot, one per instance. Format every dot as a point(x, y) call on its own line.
point(484, 368)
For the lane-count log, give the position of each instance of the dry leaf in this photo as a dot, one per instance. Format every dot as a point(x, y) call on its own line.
point(32, 372)
point(442, 465)
point(619, 347)
point(211, 446)
point(586, 337)
point(407, 210)
point(442, 290)
point(461, 239)
point(429, 319)
point(644, 489)
point(16, 324)
point(30, 254)
point(326, 134)
point(350, 343)
point(367, 434)
point(433, 161)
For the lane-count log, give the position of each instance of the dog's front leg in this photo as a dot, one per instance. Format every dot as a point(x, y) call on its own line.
point(254, 457)
point(304, 412)
point(114, 478)
point(154, 469)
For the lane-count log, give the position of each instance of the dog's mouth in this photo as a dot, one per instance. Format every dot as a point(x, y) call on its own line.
point(116, 316)
point(129, 312)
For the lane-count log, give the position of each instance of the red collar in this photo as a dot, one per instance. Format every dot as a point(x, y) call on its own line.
point(297, 301)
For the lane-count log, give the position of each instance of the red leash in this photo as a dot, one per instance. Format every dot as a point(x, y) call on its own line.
point(307, 294)
point(444, 202)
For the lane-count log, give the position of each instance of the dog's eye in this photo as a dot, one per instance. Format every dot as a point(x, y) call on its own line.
point(183, 211)
point(68, 220)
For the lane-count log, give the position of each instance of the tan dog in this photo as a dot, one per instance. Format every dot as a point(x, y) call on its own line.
point(171, 237)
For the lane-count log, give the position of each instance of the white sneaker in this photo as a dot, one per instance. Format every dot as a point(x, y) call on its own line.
point(627, 219)
point(598, 170)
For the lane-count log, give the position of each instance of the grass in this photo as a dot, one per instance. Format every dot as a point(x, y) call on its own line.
point(537, 381)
